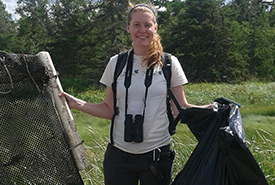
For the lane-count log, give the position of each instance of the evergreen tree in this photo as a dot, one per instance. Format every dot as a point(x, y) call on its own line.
point(73, 35)
point(263, 51)
point(197, 36)
point(86, 35)
point(111, 35)
point(7, 29)
point(235, 63)
point(34, 26)
point(168, 21)
point(215, 40)
point(111, 20)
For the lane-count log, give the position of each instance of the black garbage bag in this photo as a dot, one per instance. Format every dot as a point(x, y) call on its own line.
point(221, 156)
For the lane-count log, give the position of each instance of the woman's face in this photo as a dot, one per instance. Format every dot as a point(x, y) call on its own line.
point(142, 29)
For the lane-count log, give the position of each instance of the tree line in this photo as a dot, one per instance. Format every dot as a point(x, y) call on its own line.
point(215, 40)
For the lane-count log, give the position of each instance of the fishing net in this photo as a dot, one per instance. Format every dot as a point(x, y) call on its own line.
point(34, 147)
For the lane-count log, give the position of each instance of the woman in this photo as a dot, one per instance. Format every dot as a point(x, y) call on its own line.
point(147, 159)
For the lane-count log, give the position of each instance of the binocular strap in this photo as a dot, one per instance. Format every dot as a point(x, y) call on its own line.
point(128, 79)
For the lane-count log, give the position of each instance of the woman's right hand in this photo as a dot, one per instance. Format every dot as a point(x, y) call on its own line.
point(101, 110)
point(73, 102)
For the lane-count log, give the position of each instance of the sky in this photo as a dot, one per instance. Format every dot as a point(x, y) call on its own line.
point(10, 7)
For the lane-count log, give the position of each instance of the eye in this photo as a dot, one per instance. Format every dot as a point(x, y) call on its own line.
point(148, 25)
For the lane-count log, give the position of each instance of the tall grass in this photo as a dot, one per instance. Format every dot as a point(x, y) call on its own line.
point(258, 114)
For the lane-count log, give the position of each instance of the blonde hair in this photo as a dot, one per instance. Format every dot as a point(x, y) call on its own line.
point(153, 55)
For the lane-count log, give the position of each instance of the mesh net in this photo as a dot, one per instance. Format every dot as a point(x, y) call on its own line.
point(33, 146)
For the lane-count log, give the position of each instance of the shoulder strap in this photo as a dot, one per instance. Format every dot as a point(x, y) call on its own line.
point(121, 61)
point(170, 95)
point(166, 61)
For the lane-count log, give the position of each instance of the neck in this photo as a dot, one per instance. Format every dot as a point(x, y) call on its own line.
point(140, 50)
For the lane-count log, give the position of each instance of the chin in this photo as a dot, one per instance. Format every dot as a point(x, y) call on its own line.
point(139, 44)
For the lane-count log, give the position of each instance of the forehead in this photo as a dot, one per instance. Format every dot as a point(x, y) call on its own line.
point(142, 16)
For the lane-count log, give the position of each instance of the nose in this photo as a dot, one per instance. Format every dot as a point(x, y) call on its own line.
point(142, 28)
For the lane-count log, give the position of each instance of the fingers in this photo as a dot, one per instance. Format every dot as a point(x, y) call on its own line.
point(61, 93)
point(67, 96)
point(215, 106)
point(64, 94)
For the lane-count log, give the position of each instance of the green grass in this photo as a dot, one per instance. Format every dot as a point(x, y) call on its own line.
point(258, 115)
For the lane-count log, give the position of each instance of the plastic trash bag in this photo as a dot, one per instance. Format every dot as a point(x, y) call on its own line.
point(221, 156)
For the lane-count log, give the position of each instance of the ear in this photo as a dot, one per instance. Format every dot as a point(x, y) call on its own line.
point(127, 28)
point(156, 28)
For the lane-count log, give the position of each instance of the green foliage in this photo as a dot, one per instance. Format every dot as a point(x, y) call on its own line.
point(215, 40)
point(237, 54)
point(7, 29)
point(72, 49)
point(34, 26)
point(264, 54)
point(74, 84)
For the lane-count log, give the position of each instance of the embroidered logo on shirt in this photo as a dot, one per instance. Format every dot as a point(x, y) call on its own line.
point(137, 71)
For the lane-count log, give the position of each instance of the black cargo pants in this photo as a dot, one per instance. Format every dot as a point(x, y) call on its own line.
point(152, 168)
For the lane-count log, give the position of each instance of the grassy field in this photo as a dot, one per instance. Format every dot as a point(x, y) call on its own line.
point(257, 110)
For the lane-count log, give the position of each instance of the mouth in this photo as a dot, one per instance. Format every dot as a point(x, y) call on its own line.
point(142, 37)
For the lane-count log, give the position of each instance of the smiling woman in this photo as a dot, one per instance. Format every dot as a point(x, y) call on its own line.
point(135, 101)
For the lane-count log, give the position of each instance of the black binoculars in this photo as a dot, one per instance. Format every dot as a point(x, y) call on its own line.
point(133, 131)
